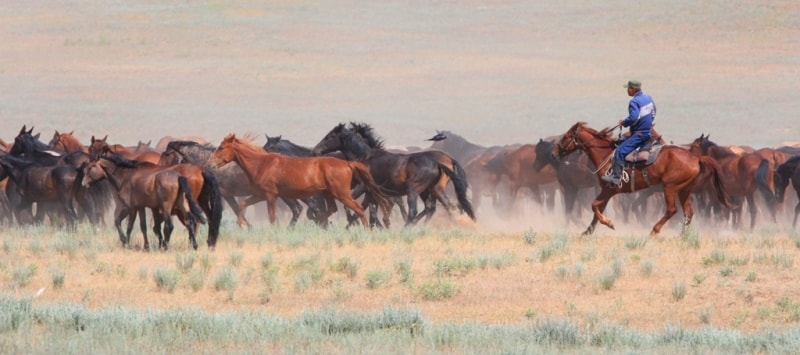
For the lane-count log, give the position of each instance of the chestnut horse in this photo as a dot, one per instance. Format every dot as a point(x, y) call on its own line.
point(276, 175)
point(675, 168)
point(742, 174)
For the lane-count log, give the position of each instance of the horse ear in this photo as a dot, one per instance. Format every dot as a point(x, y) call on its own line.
point(540, 140)
point(57, 134)
point(71, 132)
point(104, 138)
point(30, 130)
point(23, 130)
point(150, 141)
point(279, 137)
point(37, 135)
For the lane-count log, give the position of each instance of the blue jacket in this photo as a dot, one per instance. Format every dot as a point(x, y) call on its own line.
point(641, 113)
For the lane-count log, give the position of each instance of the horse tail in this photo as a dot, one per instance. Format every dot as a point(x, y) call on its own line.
point(459, 178)
point(194, 208)
point(210, 191)
point(762, 172)
point(362, 171)
point(709, 164)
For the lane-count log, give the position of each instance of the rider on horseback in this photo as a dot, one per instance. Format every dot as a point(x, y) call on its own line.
point(641, 113)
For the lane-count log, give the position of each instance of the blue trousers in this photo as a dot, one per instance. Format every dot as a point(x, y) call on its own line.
point(629, 144)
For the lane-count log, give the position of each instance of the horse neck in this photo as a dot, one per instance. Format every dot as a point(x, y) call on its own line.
point(718, 152)
point(598, 150)
point(355, 147)
point(71, 145)
point(250, 158)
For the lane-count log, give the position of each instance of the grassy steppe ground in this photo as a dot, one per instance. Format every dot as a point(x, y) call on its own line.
point(444, 275)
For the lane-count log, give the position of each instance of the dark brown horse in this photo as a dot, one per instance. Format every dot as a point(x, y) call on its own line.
point(145, 185)
point(574, 173)
point(675, 168)
point(421, 174)
point(787, 172)
point(276, 175)
point(743, 174)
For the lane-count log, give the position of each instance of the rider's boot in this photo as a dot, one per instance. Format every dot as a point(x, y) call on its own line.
point(616, 173)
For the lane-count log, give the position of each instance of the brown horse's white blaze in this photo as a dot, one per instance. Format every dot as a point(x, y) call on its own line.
point(675, 168)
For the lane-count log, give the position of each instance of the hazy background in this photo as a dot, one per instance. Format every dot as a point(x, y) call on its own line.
point(495, 72)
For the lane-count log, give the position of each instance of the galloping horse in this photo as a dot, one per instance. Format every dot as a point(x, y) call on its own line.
point(289, 148)
point(573, 174)
point(275, 175)
point(233, 182)
point(742, 174)
point(788, 171)
point(145, 185)
point(675, 168)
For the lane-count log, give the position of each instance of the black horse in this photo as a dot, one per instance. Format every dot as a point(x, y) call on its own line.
point(289, 148)
point(784, 173)
point(422, 175)
point(231, 178)
point(93, 202)
point(573, 174)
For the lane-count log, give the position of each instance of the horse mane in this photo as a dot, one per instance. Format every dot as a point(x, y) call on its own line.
point(122, 162)
point(367, 132)
point(177, 145)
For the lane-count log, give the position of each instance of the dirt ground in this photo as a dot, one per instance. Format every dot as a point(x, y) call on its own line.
point(495, 72)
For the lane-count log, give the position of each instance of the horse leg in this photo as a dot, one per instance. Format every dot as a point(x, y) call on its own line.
point(296, 209)
point(252, 200)
point(411, 199)
point(430, 206)
point(685, 197)
point(118, 216)
point(352, 204)
point(796, 212)
point(240, 219)
point(669, 198)
point(168, 227)
point(598, 206)
point(751, 206)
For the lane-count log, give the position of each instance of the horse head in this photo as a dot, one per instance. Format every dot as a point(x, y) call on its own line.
point(331, 142)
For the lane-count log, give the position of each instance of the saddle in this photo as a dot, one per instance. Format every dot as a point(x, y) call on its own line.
point(646, 153)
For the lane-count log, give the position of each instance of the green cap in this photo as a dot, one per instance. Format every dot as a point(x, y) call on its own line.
point(636, 84)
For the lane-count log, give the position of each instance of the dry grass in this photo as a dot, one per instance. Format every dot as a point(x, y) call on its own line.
point(569, 283)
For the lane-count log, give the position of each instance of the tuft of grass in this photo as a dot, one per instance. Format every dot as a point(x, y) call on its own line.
point(235, 259)
point(403, 268)
point(699, 278)
point(57, 277)
point(678, 290)
point(197, 279)
point(716, 257)
point(751, 276)
point(345, 266)
point(377, 278)
point(633, 243)
point(454, 266)
point(166, 279)
point(22, 275)
point(727, 271)
point(607, 280)
point(437, 290)
point(225, 280)
point(185, 260)
point(704, 314)
point(646, 267)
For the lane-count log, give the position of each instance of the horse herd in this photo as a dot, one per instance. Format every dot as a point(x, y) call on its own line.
point(65, 181)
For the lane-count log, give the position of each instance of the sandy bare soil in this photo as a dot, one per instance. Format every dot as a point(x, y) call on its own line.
point(495, 72)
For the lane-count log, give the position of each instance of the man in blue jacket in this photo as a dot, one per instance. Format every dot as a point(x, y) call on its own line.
point(641, 113)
